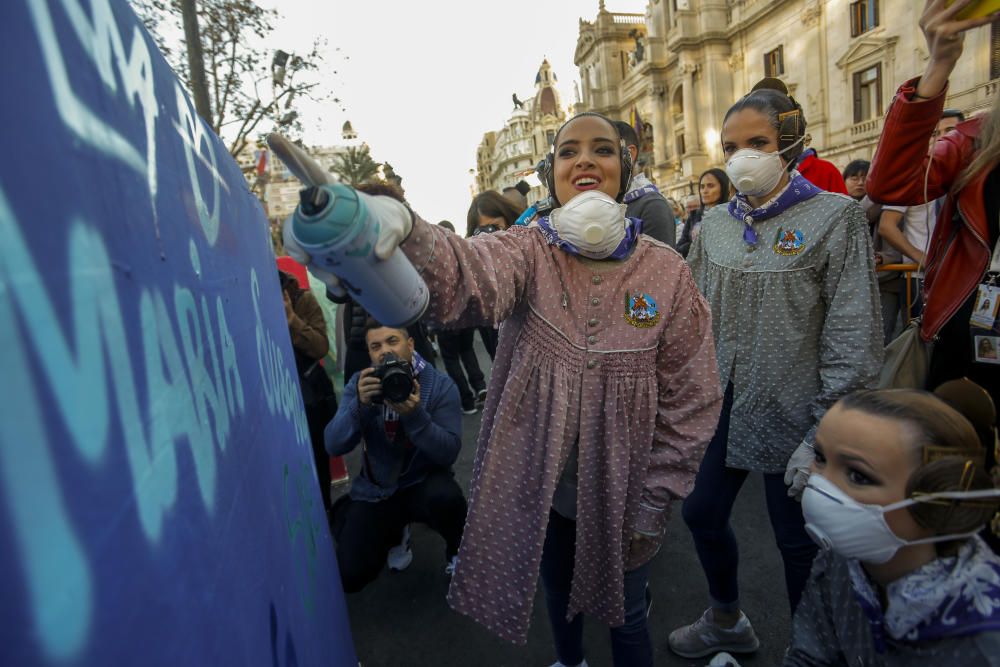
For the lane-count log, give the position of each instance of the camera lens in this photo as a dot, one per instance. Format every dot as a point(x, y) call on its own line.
point(397, 385)
point(396, 376)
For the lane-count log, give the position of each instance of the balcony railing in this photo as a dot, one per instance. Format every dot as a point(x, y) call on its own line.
point(866, 128)
point(628, 18)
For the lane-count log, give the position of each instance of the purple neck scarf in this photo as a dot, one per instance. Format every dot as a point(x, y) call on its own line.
point(797, 190)
point(642, 188)
point(633, 227)
point(949, 597)
point(419, 363)
point(639, 193)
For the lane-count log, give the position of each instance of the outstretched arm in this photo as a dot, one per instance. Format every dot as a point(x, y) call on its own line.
point(901, 161)
point(473, 282)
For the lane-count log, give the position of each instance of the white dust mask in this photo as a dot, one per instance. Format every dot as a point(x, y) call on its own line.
point(755, 173)
point(839, 523)
point(593, 222)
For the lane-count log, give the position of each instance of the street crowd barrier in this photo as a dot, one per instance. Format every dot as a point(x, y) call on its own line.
point(158, 501)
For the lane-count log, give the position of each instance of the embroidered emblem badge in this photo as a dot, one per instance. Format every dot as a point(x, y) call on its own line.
point(641, 310)
point(790, 242)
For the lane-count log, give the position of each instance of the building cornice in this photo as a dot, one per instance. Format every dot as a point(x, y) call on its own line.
point(681, 43)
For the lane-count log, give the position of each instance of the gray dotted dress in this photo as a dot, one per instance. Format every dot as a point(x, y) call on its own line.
point(796, 320)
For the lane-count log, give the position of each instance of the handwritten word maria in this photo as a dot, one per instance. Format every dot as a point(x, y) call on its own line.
point(193, 390)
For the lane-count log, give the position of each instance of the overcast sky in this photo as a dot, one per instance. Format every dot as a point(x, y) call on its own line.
point(422, 80)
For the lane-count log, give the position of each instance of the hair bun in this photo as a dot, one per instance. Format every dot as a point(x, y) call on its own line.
point(771, 83)
point(974, 403)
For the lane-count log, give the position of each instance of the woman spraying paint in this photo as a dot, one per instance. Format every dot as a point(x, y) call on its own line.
point(603, 396)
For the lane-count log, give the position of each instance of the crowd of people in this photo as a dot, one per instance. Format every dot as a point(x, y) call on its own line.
point(644, 359)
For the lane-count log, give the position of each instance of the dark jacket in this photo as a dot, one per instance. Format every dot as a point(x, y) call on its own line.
point(434, 430)
point(960, 246)
point(657, 217)
point(684, 244)
point(307, 328)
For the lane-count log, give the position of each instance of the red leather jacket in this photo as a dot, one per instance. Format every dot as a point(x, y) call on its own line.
point(960, 249)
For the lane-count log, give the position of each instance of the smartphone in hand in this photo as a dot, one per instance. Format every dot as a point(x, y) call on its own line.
point(977, 9)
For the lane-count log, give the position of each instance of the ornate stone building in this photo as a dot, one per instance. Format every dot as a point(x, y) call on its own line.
point(682, 64)
point(277, 188)
point(503, 157)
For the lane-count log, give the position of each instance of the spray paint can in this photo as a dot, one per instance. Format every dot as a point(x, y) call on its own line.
point(332, 224)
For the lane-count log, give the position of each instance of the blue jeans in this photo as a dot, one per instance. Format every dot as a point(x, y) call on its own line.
point(706, 512)
point(631, 645)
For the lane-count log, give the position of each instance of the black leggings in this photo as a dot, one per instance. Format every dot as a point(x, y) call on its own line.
point(457, 351)
point(365, 531)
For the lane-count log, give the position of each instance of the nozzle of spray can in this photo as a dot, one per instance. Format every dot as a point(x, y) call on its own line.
point(332, 223)
point(313, 200)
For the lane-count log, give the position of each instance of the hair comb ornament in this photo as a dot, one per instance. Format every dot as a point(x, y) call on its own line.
point(934, 453)
point(965, 483)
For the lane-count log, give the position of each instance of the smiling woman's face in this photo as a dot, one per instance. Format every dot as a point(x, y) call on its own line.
point(587, 157)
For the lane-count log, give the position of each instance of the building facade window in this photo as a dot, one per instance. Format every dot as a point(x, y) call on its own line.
point(774, 62)
point(868, 93)
point(995, 51)
point(864, 16)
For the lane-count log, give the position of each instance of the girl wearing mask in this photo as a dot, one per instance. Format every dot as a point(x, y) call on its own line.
point(789, 272)
point(603, 396)
point(897, 494)
point(713, 189)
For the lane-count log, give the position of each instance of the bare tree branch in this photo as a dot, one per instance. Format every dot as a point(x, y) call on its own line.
point(229, 31)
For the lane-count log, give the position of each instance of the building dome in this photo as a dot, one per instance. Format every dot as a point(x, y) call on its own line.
point(547, 101)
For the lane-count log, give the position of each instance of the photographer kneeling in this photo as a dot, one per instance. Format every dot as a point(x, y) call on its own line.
point(407, 417)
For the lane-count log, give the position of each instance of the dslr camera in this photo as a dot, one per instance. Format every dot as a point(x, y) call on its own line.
point(396, 376)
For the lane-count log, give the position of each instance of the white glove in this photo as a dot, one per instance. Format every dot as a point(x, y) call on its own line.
point(392, 219)
point(395, 222)
point(797, 470)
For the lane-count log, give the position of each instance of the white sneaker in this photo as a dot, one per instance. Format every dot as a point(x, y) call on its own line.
point(723, 660)
point(559, 664)
point(449, 569)
point(401, 555)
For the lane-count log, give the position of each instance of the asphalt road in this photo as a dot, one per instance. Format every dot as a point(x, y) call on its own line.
point(403, 619)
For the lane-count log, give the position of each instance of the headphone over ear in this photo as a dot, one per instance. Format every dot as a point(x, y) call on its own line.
point(791, 124)
point(546, 172)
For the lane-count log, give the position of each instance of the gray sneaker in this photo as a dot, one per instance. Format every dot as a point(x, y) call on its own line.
point(704, 637)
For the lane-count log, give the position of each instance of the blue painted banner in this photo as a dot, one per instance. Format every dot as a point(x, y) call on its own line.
point(158, 502)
